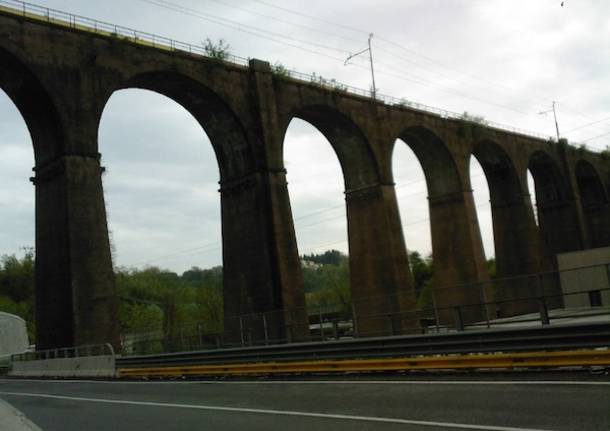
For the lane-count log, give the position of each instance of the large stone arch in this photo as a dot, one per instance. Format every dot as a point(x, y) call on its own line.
point(381, 287)
point(557, 213)
point(515, 233)
point(457, 249)
point(252, 286)
point(594, 201)
point(350, 144)
point(75, 300)
point(35, 104)
point(224, 129)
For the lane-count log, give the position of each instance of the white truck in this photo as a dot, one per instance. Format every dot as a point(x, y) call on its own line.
point(13, 337)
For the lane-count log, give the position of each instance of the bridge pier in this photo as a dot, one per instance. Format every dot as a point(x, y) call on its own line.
point(518, 250)
point(76, 302)
point(460, 271)
point(379, 270)
point(597, 218)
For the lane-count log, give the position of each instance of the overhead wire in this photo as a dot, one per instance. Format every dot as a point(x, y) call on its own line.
point(401, 47)
point(256, 32)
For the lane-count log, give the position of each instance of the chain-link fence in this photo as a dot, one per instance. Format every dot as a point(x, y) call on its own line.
point(537, 299)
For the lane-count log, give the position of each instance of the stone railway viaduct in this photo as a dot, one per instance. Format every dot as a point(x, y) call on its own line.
point(61, 78)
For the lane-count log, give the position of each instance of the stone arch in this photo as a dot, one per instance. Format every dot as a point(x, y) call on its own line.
point(594, 201)
point(35, 105)
point(227, 135)
point(250, 282)
point(514, 228)
point(457, 248)
point(558, 221)
point(440, 169)
point(351, 146)
point(550, 183)
point(379, 284)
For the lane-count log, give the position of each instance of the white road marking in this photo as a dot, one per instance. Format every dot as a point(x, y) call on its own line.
point(326, 382)
point(276, 412)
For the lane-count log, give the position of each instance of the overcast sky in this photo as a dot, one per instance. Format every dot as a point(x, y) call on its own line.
point(505, 60)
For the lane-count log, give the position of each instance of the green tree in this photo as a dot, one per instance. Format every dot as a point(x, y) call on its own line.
point(216, 50)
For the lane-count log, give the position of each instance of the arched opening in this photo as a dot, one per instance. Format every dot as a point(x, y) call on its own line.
point(251, 285)
point(412, 200)
point(379, 287)
point(557, 222)
point(54, 309)
point(594, 203)
point(531, 187)
point(317, 199)
point(456, 245)
point(17, 239)
point(163, 212)
point(557, 218)
point(511, 220)
point(482, 203)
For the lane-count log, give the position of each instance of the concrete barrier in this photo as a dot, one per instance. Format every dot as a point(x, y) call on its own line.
point(68, 362)
point(93, 366)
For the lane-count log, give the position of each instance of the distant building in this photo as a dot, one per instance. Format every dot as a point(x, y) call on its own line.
point(585, 277)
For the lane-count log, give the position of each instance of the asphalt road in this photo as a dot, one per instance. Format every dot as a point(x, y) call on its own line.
point(312, 405)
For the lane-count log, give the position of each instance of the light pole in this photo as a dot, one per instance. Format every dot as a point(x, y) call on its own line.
point(370, 51)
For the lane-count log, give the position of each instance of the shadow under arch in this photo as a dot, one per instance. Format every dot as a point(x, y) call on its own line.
point(35, 105)
point(594, 201)
point(378, 268)
point(251, 285)
point(557, 215)
point(515, 232)
point(457, 248)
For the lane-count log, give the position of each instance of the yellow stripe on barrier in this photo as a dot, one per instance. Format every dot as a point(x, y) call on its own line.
point(580, 358)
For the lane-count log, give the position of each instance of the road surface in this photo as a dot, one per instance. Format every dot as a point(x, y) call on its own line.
point(312, 405)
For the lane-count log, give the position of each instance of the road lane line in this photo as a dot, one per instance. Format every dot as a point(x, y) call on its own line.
point(327, 382)
point(275, 412)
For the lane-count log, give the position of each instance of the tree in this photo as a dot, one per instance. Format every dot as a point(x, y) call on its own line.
point(218, 50)
point(421, 269)
point(17, 294)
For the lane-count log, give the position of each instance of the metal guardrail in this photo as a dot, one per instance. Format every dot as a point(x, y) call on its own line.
point(562, 337)
point(590, 358)
point(66, 19)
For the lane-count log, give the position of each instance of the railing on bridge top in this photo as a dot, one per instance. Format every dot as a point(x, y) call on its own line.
point(70, 20)
point(541, 299)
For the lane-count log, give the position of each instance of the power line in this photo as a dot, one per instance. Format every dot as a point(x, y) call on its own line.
point(476, 77)
point(587, 125)
point(596, 137)
point(257, 32)
point(235, 25)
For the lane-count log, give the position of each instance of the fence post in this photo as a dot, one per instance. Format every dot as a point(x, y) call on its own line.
point(544, 312)
point(200, 334)
point(457, 316)
point(321, 324)
point(265, 329)
point(354, 321)
point(484, 302)
point(241, 331)
point(436, 318)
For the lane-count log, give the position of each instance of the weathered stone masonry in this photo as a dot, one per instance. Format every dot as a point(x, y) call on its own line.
point(60, 79)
